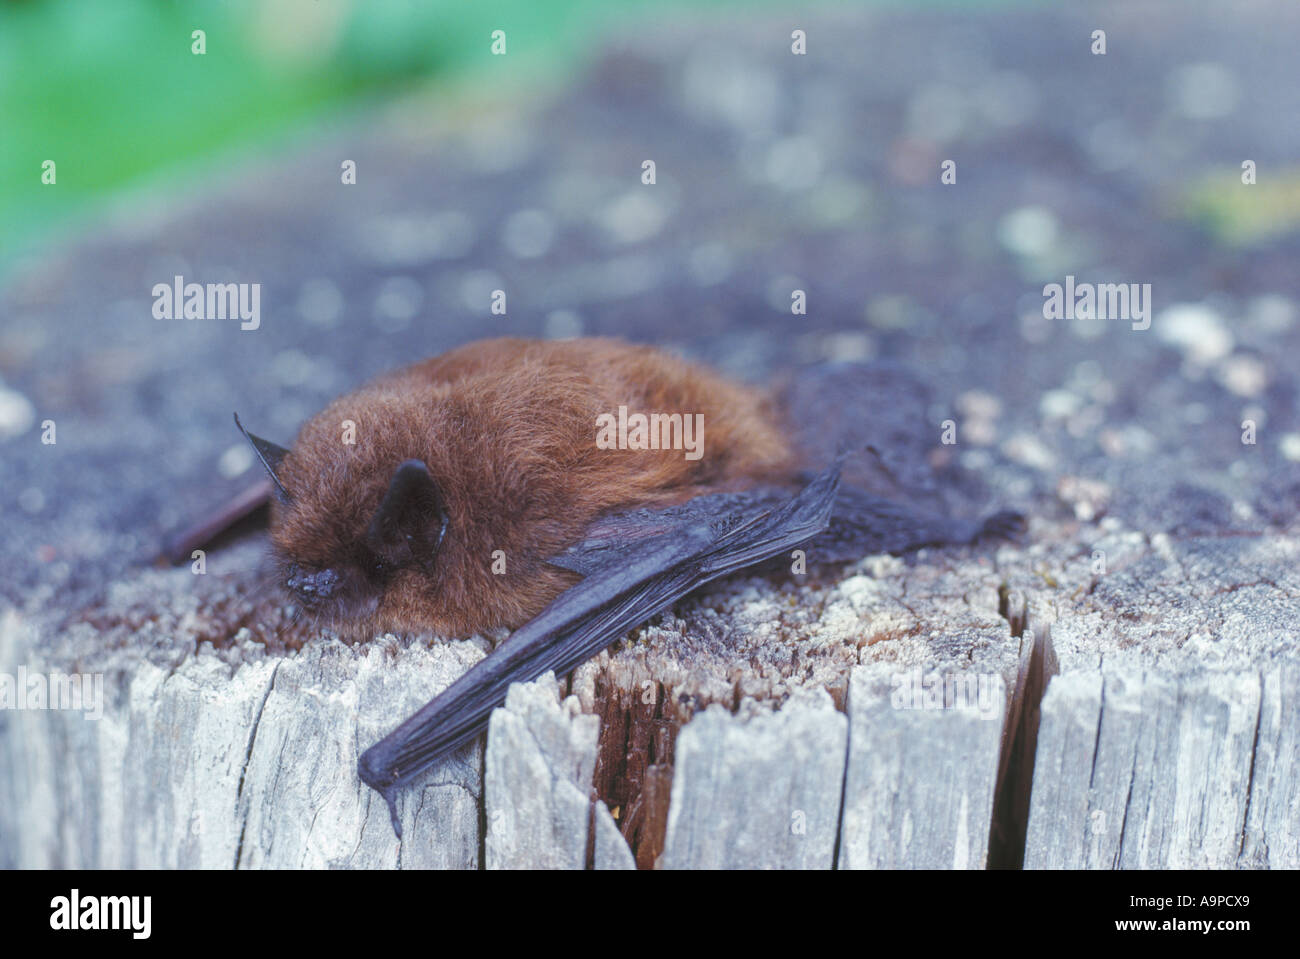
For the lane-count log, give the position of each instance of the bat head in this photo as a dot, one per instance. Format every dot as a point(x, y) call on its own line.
point(433, 499)
point(401, 539)
point(340, 560)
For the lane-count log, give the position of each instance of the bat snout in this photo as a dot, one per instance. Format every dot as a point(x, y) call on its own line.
point(312, 587)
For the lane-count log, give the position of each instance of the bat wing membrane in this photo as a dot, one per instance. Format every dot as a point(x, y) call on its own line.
point(863, 525)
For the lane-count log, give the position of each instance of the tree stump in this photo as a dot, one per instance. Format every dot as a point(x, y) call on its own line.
point(1119, 689)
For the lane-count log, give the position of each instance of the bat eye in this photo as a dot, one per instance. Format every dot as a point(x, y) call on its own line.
point(377, 569)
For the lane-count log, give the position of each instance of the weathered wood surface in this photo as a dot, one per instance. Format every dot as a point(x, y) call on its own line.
point(238, 757)
point(240, 760)
point(760, 792)
point(1169, 736)
point(541, 814)
point(922, 773)
point(1139, 771)
point(235, 756)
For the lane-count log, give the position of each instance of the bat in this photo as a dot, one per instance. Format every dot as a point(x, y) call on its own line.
point(567, 491)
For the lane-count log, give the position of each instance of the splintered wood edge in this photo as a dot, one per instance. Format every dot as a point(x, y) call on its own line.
point(181, 654)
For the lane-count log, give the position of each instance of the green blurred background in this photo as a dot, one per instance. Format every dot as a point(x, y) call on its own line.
point(110, 90)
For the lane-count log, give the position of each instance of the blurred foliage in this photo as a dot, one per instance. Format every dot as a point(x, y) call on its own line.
point(110, 90)
point(1242, 215)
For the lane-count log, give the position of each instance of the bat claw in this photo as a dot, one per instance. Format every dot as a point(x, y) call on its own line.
point(371, 772)
point(390, 797)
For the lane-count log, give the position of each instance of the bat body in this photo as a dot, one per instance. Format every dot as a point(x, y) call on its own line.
point(507, 433)
point(566, 490)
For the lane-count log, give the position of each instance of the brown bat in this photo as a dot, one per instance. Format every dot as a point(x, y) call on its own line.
point(566, 490)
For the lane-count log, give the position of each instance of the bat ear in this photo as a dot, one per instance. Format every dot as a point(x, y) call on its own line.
point(270, 455)
point(411, 521)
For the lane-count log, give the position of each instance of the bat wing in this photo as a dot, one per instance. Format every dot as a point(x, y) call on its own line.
point(863, 525)
point(634, 565)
